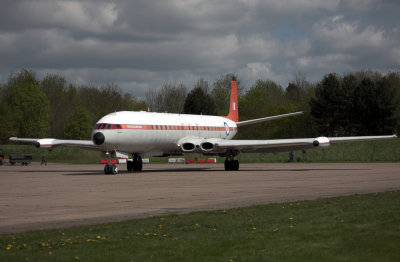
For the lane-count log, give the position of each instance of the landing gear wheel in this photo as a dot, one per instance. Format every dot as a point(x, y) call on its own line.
point(235, 165)
point(114, 170)
point(110, 170)
point(129, 166)
point(136, 164)
point(231, 164)
point(227, 165)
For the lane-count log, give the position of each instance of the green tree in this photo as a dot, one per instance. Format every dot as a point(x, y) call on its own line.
point(198, 102)
point(80, 125)
point(328, 104)
point(266, 98)
point(169, 98)
point(28, 105)
point(375, 107)
point(61, 103)
point(394, 81)
point(222, 92)
point(7, 123)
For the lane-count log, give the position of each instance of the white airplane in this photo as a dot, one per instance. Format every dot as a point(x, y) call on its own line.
point(164, 134)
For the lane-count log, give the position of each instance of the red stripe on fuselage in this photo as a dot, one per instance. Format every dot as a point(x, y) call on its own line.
point(169, 127)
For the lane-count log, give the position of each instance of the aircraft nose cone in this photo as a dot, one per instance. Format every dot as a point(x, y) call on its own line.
point(98, 138)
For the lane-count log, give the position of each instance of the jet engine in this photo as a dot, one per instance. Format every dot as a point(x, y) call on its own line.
point(44, 143)
point(207, 146)
point(321, 142)
point(188, 147)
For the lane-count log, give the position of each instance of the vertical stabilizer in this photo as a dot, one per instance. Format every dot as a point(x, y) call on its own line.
point(234, 108)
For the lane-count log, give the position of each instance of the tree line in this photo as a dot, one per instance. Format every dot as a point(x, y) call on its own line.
point(360, 103)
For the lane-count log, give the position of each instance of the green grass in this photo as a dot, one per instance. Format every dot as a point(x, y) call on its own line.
point(366, 151)
point(353, 228)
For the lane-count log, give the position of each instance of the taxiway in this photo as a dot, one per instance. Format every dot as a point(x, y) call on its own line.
point(64, 195)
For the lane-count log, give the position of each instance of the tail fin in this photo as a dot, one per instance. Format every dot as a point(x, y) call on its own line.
point(234, 108)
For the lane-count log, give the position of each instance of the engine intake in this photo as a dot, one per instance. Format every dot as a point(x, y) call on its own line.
point(207, 146)
point(188, 146)
point(98, 138)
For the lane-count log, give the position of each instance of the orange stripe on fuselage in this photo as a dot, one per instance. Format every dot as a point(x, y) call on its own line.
point(174, 127)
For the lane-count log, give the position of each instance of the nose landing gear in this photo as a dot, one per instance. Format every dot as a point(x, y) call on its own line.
point(110, 169)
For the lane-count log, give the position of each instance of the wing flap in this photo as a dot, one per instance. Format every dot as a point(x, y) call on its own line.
point(266, 146)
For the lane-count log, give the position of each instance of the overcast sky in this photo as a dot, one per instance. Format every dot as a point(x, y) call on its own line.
point(138, 44)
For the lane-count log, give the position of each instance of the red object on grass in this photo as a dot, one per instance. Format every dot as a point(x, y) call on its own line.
point(105, 161)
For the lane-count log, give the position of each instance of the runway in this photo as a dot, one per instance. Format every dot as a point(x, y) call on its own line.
point(63, 195)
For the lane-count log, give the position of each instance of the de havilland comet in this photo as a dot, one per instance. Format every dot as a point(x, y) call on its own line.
point(164, 134)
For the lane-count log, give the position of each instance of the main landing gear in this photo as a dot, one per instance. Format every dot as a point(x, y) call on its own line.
point(231, 164)
point(136, 164)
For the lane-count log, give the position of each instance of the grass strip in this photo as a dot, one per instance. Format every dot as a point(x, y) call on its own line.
point(365, 151)
point(351, 228)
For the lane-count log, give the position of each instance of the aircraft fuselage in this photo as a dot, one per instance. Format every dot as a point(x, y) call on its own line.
point(159, 133)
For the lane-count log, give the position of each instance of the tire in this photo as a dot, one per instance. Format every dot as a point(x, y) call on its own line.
point(227, 165)
point(107, 169)
point(129, 166)
point(236, 165)
point(113, 170)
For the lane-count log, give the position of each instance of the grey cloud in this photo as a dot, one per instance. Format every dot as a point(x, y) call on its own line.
point(145, 43)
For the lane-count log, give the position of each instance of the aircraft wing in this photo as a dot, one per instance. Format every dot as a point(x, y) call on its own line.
point(49, 143)
point(284, 145)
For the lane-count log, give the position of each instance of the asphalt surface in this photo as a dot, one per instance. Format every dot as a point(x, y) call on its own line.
point(64, 195)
